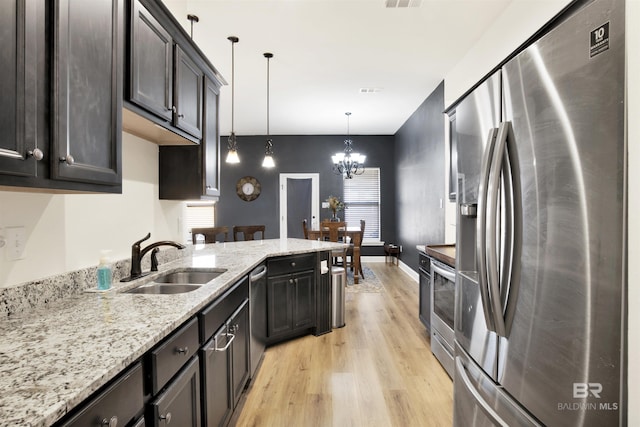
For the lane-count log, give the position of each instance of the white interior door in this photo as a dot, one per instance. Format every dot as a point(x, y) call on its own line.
point(299, 199)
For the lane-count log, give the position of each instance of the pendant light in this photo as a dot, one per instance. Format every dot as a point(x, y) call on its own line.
point(232, 146)
point(348, 163)
point(268, 150)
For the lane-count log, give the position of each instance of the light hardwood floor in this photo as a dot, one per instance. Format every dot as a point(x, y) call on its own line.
point(376, 371)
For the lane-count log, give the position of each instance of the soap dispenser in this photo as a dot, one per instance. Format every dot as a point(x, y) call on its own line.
point(104, 271)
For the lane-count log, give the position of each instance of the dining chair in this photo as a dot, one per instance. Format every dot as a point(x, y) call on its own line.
point(350, 262)
point(210, 234)
point(335, 232)
point(248, 232)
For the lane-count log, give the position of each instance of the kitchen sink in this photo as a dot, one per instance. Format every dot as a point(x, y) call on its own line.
point(178, 282)
point(164, 288)
point(196, 276)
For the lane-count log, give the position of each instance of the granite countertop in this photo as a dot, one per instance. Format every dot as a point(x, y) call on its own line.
point(445, 253)
point(54, 357)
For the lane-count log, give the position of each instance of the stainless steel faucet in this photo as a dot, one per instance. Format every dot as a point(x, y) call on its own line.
point(137, 254)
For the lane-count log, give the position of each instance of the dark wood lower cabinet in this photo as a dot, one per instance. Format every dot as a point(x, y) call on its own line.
point(225, 367)
point(183, 382)
point(119, 403)
point(216, 384)
point(239, 323)
point(179, 403)
point(291, 303)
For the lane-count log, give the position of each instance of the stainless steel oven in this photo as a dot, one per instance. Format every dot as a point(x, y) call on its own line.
point(443, 291)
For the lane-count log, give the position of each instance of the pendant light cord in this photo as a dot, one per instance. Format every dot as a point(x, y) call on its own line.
point(267, 96)
point(233, 85)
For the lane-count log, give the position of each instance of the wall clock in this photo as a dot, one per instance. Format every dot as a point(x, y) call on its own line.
point(248, 188)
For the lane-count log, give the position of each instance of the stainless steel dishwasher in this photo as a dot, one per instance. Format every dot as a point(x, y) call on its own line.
point(257, 314)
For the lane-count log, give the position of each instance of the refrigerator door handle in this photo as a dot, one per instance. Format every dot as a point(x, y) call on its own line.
point(509, 286)
point(493, 191)
point(482, 404)
point(481, 230)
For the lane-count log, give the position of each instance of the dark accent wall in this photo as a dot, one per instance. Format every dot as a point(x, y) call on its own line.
point(300, 154)
point(420, 180)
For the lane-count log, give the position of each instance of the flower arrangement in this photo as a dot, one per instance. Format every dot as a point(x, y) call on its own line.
point(335, 205)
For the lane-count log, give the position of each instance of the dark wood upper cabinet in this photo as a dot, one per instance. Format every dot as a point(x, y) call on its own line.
point(193, 172)
point(23, 139)
point(87, 91)
point(165, 83)
point(151, 63)
point(61, 83)
point(211, 144)
point(188, 94)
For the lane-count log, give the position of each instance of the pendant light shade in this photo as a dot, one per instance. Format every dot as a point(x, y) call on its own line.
point(232, 145)
point(348, 163)
point(268, 161)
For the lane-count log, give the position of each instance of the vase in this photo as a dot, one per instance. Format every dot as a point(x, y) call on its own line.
point(334, 218)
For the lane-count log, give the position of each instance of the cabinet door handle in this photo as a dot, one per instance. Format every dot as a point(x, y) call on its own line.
point(68, 159)
point(111, 422)
point(184, 350)
point(291, 282)
point(293, 263)
point(36, 153)
point(229, 341)
point(166, 418)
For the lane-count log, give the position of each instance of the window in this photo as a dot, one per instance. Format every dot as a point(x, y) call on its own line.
point(197, 215)
point(362, 197)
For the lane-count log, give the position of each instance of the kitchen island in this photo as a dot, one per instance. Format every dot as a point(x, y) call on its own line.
point(54, 357)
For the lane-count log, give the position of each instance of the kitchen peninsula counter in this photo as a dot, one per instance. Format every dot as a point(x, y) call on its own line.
point(54, 357)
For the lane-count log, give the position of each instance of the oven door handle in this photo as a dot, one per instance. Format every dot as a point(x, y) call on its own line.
point(443, 271)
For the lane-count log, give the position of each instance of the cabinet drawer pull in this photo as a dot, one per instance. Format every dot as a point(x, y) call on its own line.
point(36, 153)
point(184, 350)
point(111, 422)
point(68, 159)
point(166, 418)
point(293, 263)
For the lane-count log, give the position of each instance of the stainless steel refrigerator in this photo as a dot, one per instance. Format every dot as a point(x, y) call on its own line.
point(540, 289)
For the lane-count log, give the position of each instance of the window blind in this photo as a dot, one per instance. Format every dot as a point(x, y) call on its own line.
point(199, 215)
point(362, 197)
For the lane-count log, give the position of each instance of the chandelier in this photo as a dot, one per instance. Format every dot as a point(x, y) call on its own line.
point(348, 163)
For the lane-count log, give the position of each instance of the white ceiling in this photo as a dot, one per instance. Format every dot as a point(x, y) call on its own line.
point(325, 52)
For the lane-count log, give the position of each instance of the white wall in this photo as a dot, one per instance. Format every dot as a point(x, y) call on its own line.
point(67, 231)
point(520, 20)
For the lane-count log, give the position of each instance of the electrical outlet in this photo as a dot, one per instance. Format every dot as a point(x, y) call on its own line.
point(16, 241)
point(325, 205)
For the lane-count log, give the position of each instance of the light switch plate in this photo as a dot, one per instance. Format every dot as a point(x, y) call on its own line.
point(16, 240)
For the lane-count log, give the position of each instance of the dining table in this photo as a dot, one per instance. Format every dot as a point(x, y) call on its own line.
point(354, 235)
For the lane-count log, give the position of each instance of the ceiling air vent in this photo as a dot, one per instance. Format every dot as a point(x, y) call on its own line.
point(370, 90)
point(402, 3)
